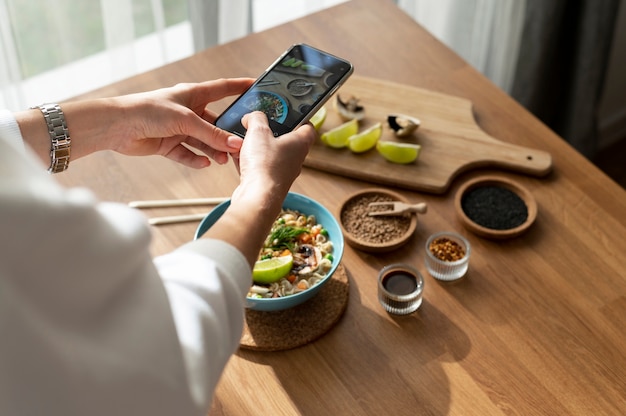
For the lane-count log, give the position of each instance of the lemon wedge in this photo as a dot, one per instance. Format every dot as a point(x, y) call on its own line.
point(398, 152)
point(367, 139)
point(272, 270)
point(338, 136)
point(318, 118)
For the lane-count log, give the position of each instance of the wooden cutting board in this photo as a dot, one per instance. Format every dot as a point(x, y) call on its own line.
point(451, 140)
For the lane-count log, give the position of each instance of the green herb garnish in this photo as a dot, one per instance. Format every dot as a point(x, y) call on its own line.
point(284, 236)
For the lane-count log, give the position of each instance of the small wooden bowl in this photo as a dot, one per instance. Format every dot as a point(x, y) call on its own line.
point(520, 191)
point(369, 245)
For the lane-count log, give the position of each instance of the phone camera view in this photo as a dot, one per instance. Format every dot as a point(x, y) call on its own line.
point(288, 92)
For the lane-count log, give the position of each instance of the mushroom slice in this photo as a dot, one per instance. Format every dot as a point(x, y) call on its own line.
point(313, 256)
point(259, 289)
point(350, 109)
point(402, 125)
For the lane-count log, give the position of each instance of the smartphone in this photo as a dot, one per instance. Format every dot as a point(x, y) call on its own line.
point(290, 91)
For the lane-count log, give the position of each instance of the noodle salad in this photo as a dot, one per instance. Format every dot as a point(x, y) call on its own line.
point(300, 236)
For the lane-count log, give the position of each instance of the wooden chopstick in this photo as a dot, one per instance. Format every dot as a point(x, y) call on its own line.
point(176, 219)
point(176, 202)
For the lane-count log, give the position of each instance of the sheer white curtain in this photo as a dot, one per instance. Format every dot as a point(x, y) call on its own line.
point(10, 90)
point(55, 32)
point(123, 54)
point(268, 13)
point(486, 33)
point(207, 22)
point(219, 21)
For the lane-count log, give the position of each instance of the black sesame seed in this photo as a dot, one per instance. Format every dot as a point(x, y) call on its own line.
point(494, 207)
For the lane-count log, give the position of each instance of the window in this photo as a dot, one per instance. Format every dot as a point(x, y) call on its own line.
point(51, 51)
point(66, 47)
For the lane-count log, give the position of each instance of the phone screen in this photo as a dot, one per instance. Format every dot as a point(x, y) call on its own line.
point(290, 91)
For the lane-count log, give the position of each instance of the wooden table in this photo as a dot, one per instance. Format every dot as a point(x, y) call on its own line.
point(536, 327)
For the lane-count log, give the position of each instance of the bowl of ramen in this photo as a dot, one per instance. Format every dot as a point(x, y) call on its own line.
point(307, 244)
point(273, 105)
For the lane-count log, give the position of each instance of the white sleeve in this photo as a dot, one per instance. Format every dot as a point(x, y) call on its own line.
point(206, 282)
point(87, 324)
point(10, 130)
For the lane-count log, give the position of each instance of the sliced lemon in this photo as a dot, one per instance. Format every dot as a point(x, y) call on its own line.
point(338, 136)
point(272, 270)
point(398, 152)
point(318, 118)
point(367, 139)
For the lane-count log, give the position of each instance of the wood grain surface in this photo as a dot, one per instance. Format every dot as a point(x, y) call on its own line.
point(451, 141)
point(535, 328)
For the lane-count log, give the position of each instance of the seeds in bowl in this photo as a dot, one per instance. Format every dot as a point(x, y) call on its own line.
point(377, 230)
point(494, 207)
point(446, 249)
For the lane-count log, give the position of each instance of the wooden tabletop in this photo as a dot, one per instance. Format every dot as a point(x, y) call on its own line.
point(536, 327)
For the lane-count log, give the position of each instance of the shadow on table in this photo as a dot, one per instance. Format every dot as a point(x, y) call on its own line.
point(372, 359)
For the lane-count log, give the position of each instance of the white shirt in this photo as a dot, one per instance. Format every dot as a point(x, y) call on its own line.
point(90, 324)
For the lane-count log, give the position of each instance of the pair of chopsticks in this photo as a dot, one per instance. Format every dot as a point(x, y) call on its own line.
point(166, 203)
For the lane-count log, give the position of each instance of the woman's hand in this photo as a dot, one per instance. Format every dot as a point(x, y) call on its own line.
point(269, 162)
point(268, 166)
point(169, 122)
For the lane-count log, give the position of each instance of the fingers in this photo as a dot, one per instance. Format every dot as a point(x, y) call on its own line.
point(209, 116)
point(231, 143)
point(298, 141)
point(307, 133)
point(217, 144)
point(217, 89)
point(236, 162)
point(199, 121)
point(205, 132)
point(255, 123)
point(218, 156)
point(188, 158)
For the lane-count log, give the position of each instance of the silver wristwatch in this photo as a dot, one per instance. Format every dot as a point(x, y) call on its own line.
point(59, 137)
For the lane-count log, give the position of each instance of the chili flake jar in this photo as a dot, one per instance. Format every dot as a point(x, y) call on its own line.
point(447, 256)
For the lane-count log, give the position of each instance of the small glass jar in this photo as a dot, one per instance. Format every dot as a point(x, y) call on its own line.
point(400, 288)
point(447, 256)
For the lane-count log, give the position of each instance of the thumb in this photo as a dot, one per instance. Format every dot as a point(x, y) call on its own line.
point(256, 120)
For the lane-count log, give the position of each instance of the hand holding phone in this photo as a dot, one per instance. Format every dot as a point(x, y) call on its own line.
point(290, 91)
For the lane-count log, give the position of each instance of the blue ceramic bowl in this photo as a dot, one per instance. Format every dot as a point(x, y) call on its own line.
point(307, 206)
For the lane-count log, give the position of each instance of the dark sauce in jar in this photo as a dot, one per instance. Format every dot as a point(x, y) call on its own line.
point(400, 289)
point(399, 282)
point(494, 207)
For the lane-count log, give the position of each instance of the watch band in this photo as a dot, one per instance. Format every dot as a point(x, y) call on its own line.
point(59, 137)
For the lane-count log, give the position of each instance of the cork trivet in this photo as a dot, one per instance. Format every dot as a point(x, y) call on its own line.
point(297, 326)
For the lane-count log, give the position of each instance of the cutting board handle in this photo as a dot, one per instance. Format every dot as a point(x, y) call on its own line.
point(512, 157)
